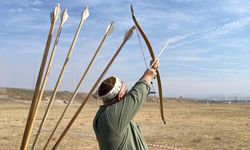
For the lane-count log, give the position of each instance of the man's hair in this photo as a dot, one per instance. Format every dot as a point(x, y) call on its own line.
point(106, 86)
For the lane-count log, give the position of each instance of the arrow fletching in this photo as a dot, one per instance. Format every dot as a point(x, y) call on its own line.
point(57, 11)
point(64, 16)
point(129, 33)
point(110, 28)
point(85, 13)
point(55, 14)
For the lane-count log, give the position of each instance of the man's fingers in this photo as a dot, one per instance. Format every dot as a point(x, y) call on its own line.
point(155, 65)
point(154, 73)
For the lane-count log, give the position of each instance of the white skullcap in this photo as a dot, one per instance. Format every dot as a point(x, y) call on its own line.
point(117, 86)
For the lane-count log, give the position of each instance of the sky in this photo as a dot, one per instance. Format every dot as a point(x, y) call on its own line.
point(208, 53)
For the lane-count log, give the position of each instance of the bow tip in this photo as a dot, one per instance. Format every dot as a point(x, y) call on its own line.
point(164, 121)
point(131, 8)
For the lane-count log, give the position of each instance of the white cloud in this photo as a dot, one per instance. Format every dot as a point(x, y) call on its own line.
point(37, 2)
point(16, 10)
point(191, 58)
point(237, 7)
point(35, 9)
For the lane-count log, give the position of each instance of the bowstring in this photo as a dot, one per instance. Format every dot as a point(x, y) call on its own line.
point(145, 62)
point(142, 50)
point(157, 100)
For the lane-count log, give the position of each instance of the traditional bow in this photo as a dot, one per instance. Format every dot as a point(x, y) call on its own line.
point(153, 58)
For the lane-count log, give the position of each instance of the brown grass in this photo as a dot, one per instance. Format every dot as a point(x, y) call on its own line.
point(189, 126)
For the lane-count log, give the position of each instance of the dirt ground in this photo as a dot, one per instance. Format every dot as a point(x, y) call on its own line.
point(189, 126)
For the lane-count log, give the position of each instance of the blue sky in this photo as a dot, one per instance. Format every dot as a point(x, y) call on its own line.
point(209, 52)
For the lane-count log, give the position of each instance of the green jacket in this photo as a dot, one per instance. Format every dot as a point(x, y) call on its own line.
point(113, 125)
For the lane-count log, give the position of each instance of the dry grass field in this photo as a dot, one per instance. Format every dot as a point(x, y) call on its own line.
point(190, 125)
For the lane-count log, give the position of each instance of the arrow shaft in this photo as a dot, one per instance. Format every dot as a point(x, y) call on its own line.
point(91, 91)
point(76, 91)
point(59, 78)
point(162, 50)
point(45, 81)
point(30, 120)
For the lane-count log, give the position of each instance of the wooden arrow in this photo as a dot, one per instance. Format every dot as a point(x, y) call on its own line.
point(108, 32)
point(63, 20)
point(85, 15)
point(30, 121)
point(126, 38)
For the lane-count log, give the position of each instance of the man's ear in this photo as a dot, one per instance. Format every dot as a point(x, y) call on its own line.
point(122, 93)
point(119, 96)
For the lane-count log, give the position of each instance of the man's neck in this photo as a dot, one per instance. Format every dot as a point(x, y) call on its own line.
point(111, 102)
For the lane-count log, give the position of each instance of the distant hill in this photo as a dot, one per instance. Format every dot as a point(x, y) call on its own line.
point(25, 95)
point(15, 94)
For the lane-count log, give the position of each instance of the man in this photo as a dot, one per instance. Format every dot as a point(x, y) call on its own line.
point(113, 123)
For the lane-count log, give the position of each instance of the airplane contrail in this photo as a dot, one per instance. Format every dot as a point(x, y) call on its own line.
point(209, 33)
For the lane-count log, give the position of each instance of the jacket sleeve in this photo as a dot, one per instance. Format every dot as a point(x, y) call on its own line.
point(121, 113)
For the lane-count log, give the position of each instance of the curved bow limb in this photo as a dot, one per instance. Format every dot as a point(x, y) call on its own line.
point(153, 58)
